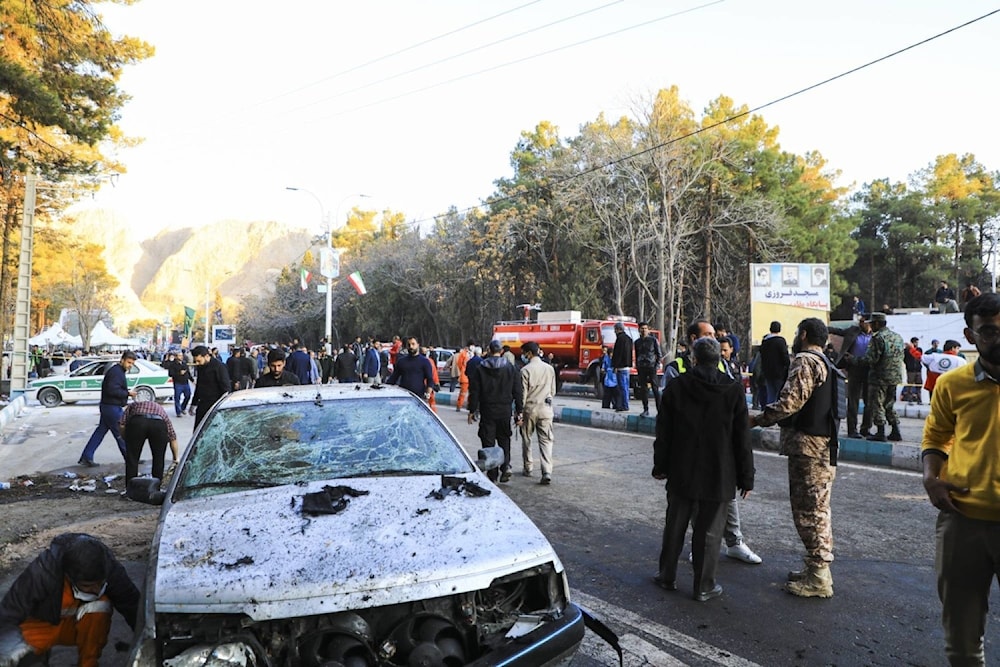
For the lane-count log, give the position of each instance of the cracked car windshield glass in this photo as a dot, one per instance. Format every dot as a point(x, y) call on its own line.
point(270, 444)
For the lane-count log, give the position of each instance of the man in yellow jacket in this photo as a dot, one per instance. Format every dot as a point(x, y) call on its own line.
point(960, 450)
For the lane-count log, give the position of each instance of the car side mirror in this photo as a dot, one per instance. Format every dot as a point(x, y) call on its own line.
point(489, 458)
point(145, 490)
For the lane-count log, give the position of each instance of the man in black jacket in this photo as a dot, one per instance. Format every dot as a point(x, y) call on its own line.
point(114, 395)
point(621, 361)
point(213, 382)
point(494, 385)
point(65, 598)
point(702, 448)
point(180, 374)
point(276, 375)
point(647, 358)
point(774, 362)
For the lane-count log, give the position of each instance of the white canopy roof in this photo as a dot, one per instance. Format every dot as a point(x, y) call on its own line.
point(101, 335)
point(55, 335)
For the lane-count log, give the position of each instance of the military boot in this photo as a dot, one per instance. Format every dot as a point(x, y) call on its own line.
point(895, 435)
point(817, 583)
point(879, 434)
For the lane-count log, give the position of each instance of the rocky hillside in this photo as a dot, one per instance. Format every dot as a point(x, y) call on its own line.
point(174, 268)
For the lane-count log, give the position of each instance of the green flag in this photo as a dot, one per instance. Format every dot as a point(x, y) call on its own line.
point(188, 321)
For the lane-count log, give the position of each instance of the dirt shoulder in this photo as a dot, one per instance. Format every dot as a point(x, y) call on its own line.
point(32, 514)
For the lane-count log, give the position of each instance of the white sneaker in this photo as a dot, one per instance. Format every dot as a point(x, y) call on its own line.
point(742, 552)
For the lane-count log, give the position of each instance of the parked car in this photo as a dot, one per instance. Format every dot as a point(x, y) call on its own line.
point(337, 525)
point(444, 354)
point(149, 380)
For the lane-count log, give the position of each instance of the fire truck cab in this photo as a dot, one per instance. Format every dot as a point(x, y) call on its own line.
point(576, 344)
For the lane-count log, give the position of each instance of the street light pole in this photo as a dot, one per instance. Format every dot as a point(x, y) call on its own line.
point(329, 281)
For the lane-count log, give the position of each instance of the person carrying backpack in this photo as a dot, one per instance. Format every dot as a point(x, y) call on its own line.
point(808, 409)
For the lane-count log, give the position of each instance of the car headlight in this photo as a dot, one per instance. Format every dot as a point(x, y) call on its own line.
point(229, 654)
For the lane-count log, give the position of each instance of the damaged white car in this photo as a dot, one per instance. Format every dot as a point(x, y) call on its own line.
point(344, 526)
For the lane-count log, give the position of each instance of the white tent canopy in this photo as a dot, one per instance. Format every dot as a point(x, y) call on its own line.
point(101, 336)
point(55, 335)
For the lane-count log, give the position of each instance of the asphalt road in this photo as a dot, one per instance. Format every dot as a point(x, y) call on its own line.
point(604, 514)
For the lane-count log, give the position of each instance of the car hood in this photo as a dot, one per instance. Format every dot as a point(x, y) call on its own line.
point(254, 552)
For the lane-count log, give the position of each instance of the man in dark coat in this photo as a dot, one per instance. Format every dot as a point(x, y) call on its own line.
point(114, 395)
point(774, 362)
point(65, 597)
point(494, 385)
point(346, 365)
point(213, 382)
point(702, 449)
point(621, 361)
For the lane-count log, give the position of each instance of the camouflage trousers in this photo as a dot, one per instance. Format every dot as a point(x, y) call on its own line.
point(883, 401)
point(810, 483)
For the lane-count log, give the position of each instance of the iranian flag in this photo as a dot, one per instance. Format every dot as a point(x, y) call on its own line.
point(304, 280)
point(359, 284)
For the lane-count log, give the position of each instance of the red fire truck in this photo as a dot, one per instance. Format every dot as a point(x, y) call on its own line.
point(575, 343)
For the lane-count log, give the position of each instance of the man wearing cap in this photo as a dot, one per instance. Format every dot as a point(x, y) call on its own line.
point(914, 376)
point(884, 359)
point(494, 385)
point(65, 598)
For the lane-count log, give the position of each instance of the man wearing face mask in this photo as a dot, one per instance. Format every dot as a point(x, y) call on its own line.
point(413, 371)
point(960, 448)
point(65, 598)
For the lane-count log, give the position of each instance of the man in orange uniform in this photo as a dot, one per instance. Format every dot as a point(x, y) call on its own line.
point(461, 361)
point(65, 598)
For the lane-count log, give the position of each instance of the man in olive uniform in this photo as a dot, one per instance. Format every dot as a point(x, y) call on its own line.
point(806, 399)
point(884, 359)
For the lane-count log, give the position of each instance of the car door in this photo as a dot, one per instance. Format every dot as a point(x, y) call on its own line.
point(85, 382)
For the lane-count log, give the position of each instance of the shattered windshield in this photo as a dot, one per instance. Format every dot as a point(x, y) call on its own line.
point(272, 444)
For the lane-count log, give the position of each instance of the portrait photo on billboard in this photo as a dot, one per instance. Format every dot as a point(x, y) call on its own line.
point(762, 277)
point(790, 275)
point(820, 278)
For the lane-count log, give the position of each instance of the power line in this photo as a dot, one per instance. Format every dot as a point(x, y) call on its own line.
point(724, 121)
point(458, 55)
point(521, 60)
point(405, 49)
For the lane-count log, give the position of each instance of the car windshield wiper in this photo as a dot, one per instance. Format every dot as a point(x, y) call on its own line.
point(397, 472)
point(256, 483)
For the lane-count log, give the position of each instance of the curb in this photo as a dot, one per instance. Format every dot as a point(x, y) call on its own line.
point(12, 411)
point(890, 454)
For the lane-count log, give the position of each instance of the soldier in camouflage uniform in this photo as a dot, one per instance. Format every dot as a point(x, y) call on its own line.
point(884, 359)
point(811, 470)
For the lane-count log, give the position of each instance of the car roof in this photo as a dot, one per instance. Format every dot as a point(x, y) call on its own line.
point(309, 392)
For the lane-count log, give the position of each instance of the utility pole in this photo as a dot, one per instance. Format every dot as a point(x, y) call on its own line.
point(22, 313)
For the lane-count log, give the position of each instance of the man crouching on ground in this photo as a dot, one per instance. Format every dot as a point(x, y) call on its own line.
point(65, 598)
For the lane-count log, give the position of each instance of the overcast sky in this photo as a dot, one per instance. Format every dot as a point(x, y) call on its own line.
point(419, 104)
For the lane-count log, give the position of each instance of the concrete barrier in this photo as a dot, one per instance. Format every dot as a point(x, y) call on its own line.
point(11, 411)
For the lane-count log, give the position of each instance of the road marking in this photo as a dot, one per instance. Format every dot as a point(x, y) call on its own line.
point(636, 648)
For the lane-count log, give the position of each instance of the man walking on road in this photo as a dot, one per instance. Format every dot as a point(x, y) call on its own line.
point(960, 448)
point(807, 399)
point(114, 395)
point(180, 374)
point(494, 386)
point(538, 384)
point(884, 360)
